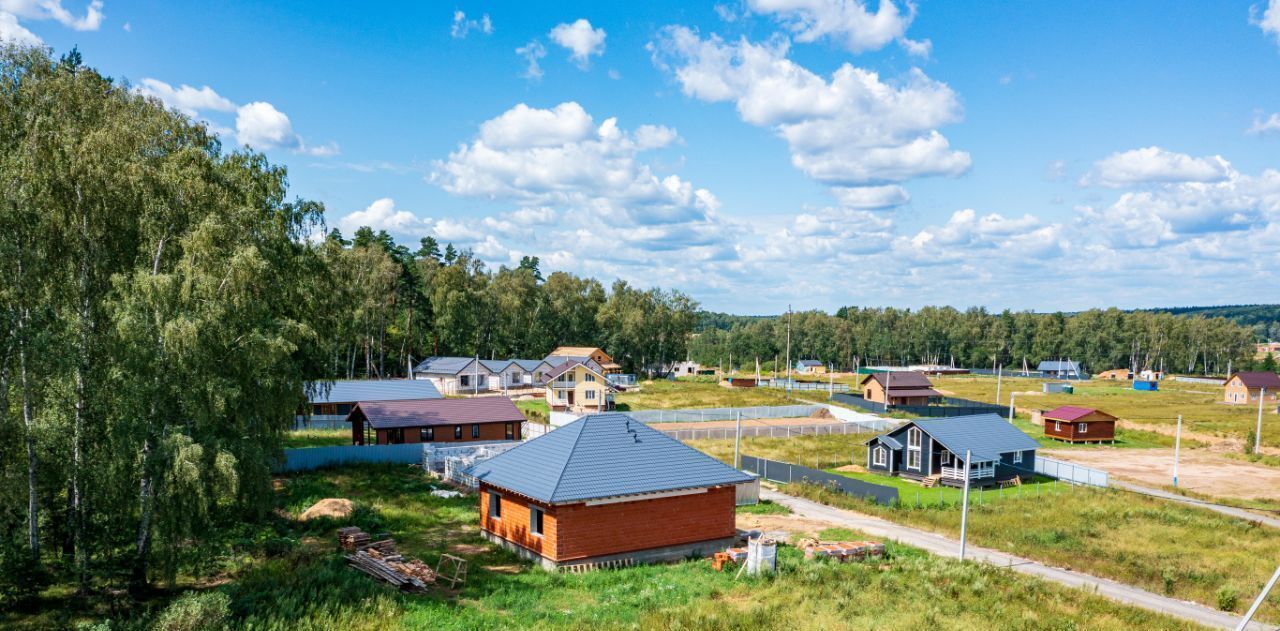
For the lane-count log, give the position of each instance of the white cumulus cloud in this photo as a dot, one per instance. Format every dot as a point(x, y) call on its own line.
point(13, 32)
point(1267, 18)
point(186, 99)
point(1155, 165)
point(848, 23)
point(382, 214)
point(462, 26)
point(53, 10)
point(1268, 125)
point(532, 53)
point(582, 40)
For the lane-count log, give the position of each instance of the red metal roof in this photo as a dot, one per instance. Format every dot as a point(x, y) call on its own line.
point(429, 412)
point(1258, 379)
point(1070, 413)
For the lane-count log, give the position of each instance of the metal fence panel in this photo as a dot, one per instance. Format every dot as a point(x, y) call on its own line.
point(724, 414)
point(308, 458)
point(774, 431)
point(1071, 472)
point(788, 473)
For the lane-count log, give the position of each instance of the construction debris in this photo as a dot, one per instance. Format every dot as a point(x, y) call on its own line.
point(381, 560)
point(843, 550)
point(457, 564)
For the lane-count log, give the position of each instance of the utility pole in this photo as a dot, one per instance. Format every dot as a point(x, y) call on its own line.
point(1012, 396)
point(999, 378)
point(1244, 622)
point(475, 376)
point(1177, 448)
point(788, 349)
point(964, 511)
point(1257, 436)
point(737, 442)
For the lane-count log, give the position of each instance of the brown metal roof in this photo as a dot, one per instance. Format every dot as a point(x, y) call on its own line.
point(429, 412)
point(1258, 379)
point(901, 379)
point(913, 392)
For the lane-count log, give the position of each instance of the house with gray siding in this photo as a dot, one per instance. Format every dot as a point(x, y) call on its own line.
point(935, 449)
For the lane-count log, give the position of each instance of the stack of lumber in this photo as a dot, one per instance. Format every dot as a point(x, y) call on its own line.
point(844, 550)
point(385, 570)
point(352, 538)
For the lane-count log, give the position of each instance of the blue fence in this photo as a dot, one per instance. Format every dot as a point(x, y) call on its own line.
point(787, 473)
point(309, 458)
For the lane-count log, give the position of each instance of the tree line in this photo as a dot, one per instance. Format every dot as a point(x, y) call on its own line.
point(165, 304)
point(975, 338)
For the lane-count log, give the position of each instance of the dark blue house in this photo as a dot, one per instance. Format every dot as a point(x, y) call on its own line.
point(935, 448)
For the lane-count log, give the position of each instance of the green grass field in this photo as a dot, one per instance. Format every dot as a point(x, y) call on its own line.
point(317, 438)
point(1162, 546)
point(696, 393)
point(536, 410)
point(297, 580)
point(1198, 403)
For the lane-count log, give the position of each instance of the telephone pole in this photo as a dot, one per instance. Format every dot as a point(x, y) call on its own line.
point(788, 349)
point(1257, 435)
point(964, 511)
point(1177, 448)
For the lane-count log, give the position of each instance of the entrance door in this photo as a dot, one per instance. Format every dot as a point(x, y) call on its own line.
point(571, 397)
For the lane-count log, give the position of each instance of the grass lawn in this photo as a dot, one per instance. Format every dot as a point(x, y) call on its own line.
point(819, 452)
point(317, 438)
point(303, 583)
point(1198, 403)
point(535, 410)
point(680, 394)
point(913, 495)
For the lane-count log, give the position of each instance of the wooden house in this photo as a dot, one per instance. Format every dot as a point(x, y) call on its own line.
point(1247, 387)
point(1079, 425)
point(582, 353)
point(532, 371)
point(454, 375)
point(1115, 374)
point(575, 386)
point(435, 421)
point(810, 367)
point(607, 489)
point(934, 450)
point(898, 388)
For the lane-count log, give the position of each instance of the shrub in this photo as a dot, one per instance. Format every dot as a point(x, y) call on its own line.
point(195, 612)
point(1228, 598)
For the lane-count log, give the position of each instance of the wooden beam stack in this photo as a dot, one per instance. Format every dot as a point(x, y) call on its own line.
point(380, 560)
point(352, 538)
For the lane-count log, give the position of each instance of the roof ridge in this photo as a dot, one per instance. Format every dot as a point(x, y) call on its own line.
point(569, 458)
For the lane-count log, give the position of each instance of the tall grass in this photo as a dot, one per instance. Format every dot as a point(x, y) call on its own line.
point(704, 393)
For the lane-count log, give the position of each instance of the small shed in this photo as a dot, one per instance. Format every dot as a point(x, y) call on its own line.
point(1075, 424)
point(607, 489)
point(899, 387)
point(810, 367)
point(1149, 386)
point(1060, 369)
point(1058, 388)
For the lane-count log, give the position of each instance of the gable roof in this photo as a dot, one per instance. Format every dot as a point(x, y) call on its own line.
point(986, 435)
point(424, 413)
point(809, 363)
point(603, 455)
point(445, 365)
point(353, 390)
point(1071, 413)
point(901, 379)
point(529, 365)
point(1059, 366)
point(495, 365)
point(1257, 379)
point(571, 364)
point(577, 351)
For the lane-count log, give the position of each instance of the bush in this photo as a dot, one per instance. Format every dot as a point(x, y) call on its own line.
point(21, 578)
point(1228, 598)
point(195, 612)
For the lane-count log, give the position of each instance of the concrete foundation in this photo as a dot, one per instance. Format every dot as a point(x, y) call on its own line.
point(667, 554)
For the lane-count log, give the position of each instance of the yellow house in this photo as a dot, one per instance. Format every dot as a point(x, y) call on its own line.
point(576, 387)
point(583, 353)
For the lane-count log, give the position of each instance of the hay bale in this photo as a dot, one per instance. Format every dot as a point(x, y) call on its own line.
point(331, 507)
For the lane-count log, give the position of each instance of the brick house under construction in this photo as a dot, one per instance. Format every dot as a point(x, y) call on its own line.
point(607, 489)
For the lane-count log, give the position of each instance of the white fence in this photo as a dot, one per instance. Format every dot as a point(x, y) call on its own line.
point(1069, 472)
point(534, 430)
point(772, 431)
point(724, 414)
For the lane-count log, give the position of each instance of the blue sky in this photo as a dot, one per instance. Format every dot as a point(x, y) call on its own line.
point(757, 153)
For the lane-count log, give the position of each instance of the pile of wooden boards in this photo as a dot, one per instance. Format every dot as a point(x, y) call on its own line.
point(844, 550)
point(352, 538)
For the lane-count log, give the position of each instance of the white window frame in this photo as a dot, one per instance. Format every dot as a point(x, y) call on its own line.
point(1082, 428)
point(1017, 457)
point(880, 459)
point(913, 455)
point(589, 395)
point(915, 439)
point(1057, 426)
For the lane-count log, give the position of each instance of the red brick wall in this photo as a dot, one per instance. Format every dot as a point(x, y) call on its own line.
point(444, 433)
point(579, 531)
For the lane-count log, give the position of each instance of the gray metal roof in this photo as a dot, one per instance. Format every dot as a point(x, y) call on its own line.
point(495, 365)
point(987, 435)
point(809, 362)
point(889, 441)
point(603, 455)
point(529, 365)
point(1059, 366)
point(444, 365)
point(355, 390)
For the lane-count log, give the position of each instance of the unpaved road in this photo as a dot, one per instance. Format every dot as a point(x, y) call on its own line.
point(1199, 470)
point(764, 422)
point(942, 546)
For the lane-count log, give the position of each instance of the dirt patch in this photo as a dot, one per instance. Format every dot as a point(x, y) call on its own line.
point(821, 413)
point(764, 422)
point(468, 549)
point(331, 507)
point(793, 525)
point(1200, 470)
point(1216, 442)
point(504, 569)
point(852, 468)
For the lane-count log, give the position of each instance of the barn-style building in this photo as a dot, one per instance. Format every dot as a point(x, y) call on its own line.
point(607, 489)
point(1079, 425)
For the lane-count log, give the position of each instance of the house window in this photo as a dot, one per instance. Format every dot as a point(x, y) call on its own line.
point(495, 505)
point(913, 438)
point(457, 432)
point(589, 395)
point(426, 434)
point(913, 447)
point(466, 380)
point(535, 521)
point(913, 458)
point(589, 377)
point(1057, 426)
point(1017, 457)
point(1082, 428)
point(509, 431)
point(880, 456)
point(344, 408)
point(946, 457)
point(475, 431)
point(395, 436)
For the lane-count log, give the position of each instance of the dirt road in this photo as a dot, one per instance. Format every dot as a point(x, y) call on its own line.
point(764, 422)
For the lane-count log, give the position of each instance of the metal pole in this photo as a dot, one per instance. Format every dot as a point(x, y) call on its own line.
point(737, 441)
point(999, 378)
point(964, 511)
point(1012, 396)
point(1177, 447)
point(1257, 436)
point(1244, 622)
